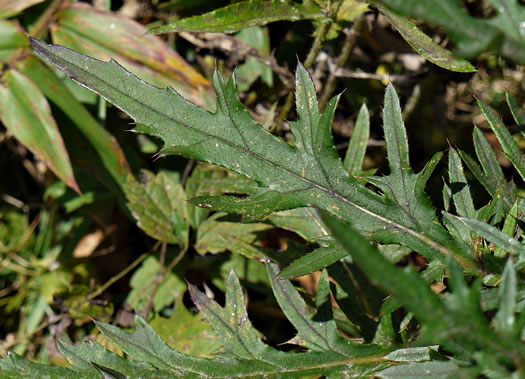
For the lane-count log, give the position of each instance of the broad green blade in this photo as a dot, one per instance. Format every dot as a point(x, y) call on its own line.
point(509, 145)
point(12, 37)
point(102, 141)
point(307, 174)
point(106, 35)
point(25, 112)
point(423, 44)
point(242, 15)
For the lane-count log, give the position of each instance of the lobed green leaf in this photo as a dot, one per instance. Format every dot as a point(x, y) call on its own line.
point(307, 174)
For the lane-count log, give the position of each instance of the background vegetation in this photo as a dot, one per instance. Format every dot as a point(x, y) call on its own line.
point(409, 265)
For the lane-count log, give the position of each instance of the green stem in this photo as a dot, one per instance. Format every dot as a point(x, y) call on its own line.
point(117, 277)
point(41, 25)
point(320, 37)
point(348, 48)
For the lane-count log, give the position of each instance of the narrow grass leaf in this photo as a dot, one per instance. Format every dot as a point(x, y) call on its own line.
point(505, 318)
point(488, 159)
point(510, 147)
point(314, 261)
point(423, 44)
point(242, 15)
point(494, 235)
point(507, 192)
point(356, 150)
point(509, 227)
point(471, 35)
point(459, 186)
point(517, 113)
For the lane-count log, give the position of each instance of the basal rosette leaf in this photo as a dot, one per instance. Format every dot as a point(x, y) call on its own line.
point(307, 174)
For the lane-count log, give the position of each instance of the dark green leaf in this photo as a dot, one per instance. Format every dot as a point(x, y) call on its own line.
point(471, 35)
point(244, 14)
point(356, 150)
point(315, 331)
point(459, 186)
point(405, 285)
point(517, 114)
point(314, 261)
point(505, 318)
point(158, 205)
point(494, 235)
point(510, 147)
point(509, 227)
point(307, 174)
point(423, 44)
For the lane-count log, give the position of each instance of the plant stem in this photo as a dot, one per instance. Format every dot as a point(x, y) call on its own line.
point(117, 277)
point(41, 25)
point(310, 59)
point(348, 48)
